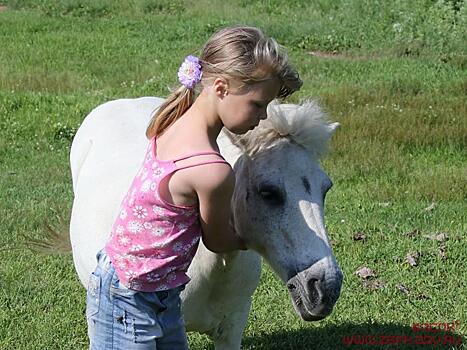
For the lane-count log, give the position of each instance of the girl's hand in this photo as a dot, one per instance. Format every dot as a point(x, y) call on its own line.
point(241, 243)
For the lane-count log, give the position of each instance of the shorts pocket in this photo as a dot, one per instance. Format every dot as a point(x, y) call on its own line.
point(93, 295)
point(117, 288)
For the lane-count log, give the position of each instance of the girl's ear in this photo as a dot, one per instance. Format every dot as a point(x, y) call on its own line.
point(221, 87)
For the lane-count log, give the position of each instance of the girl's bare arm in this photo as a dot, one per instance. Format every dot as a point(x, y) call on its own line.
point(215, 189)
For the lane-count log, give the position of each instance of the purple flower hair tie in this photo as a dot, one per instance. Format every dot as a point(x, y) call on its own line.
point(189, 73)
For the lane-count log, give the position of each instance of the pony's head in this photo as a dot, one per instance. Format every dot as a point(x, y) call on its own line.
point(279, 201)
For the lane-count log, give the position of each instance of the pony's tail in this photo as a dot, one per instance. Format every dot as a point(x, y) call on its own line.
point(172, 109)
point(54, 242)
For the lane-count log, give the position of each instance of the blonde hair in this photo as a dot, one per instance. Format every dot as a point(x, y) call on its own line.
point(242, 54)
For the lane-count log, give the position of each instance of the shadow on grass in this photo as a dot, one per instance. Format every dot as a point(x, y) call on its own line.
point(352, 336)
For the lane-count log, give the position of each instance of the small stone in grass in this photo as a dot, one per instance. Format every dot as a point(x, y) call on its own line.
point(365, 272)
point(412, 258)
point(413, 233)
point(442, 251)
point(430, 207)
point(373, 284)
point(359, 236)
point(403, 288)
point(422, 296)
point(440, 237)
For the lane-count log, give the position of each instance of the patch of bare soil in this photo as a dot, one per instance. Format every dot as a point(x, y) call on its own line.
point(339, 56)
point(3, 8)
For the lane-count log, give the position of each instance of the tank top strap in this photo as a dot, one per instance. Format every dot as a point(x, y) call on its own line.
point(207, 153)
point(222, 161)
point(192, 155)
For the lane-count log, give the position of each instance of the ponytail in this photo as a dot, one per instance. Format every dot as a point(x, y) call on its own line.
point(170, 111)
point(189, 74)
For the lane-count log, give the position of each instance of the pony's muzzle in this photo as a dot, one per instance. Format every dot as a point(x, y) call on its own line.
point(315, 291)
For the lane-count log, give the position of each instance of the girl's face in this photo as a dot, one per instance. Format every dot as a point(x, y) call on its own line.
point(241, 109)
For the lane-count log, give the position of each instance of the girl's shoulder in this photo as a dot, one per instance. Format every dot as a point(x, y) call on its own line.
point(216, 180)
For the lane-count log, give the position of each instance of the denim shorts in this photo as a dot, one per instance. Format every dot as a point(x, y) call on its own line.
point(124, 319)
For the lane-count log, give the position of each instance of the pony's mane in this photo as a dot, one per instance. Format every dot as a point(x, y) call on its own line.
point(305, 124)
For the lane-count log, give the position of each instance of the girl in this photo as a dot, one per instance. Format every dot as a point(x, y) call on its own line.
point(182, 191)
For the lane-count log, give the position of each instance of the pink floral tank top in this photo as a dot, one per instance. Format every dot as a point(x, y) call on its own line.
point(152, 241)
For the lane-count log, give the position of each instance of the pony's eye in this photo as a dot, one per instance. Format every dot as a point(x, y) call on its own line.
point(271, 195)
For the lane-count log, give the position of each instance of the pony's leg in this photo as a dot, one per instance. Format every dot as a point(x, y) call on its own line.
point(228, 335)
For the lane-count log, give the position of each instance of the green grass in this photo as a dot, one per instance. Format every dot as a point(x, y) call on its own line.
point(393, 73)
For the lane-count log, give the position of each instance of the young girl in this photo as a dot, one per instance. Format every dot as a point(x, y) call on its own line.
point(182, 191)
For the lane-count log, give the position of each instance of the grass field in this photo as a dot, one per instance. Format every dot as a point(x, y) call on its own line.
point(393, 73)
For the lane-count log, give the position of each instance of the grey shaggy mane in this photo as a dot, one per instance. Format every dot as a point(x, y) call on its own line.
point(305, 124)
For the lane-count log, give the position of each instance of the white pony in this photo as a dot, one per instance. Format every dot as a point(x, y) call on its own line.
point(278, 207)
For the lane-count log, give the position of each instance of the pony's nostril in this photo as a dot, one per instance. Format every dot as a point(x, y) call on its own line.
point(313, 285)
point(291, 287)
